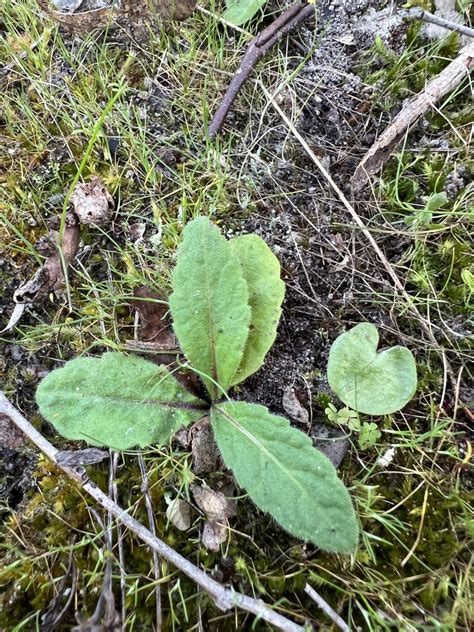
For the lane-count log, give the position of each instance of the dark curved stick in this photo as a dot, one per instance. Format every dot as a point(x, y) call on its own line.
point(257, 49)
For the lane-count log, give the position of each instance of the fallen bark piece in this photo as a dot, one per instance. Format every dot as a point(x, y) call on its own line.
point(435, 90)
point(81, 22)
point(50, 277)
point(68, 6)
point(331, 441)
point(135, 16)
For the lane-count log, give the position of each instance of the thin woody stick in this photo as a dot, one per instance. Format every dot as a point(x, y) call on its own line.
point(415, 107)
point(156, 560)
point(326, 608)
point(121, 555)
point(224, 598)
point(417, 13)
point(257, 49)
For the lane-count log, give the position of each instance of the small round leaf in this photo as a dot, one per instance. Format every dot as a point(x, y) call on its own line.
point(370, 382)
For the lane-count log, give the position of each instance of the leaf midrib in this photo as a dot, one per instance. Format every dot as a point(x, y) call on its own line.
point(353, 389)
point(212, 341)
point(149, 402)
point(262, 448)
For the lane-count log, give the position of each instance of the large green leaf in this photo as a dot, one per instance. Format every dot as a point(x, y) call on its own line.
point(209, 304)
point(285, 476)
point(261, 270)
point(370, 382)
point(117, 400)
point(240, 11)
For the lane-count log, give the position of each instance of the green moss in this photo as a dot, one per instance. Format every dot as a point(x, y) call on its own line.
point(57, 519)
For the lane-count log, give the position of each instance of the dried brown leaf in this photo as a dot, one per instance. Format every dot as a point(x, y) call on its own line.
point(156, 338)
point(92, 203)
point(73, 458)
point(293, 407)
point(214, 504)
point(133, 16)
point(179, 514)
point(155, 323)
point(204, 449)
point(10, 436)
point(50, 276)
point(213, 535)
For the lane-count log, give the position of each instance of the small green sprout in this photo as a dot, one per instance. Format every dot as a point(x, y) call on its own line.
point(343, 416)
point(369, 434)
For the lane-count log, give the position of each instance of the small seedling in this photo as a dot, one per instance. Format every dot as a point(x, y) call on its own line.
point(369, 434)
point(225, 305)
point(370, 382)
point(421, 218)
point(343, 416)
point(367, 431)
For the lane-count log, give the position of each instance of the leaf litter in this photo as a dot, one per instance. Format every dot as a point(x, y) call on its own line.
point(92, 206)
point(132, 17)
point(218, 509)
point(179, 514)
point(155, 338)
point(92, 203)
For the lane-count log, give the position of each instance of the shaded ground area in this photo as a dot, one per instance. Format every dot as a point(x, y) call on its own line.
point(341, 87)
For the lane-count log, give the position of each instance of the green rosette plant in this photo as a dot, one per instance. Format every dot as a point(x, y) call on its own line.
point(225, 306)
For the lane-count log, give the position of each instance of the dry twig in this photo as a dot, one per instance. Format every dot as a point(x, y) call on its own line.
point(224, 598)
point(417, 13)
point(57, 611)
point(257, 49)
point(156, 560)
point(121, 555)
point(435, 90)
point(326, 608)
